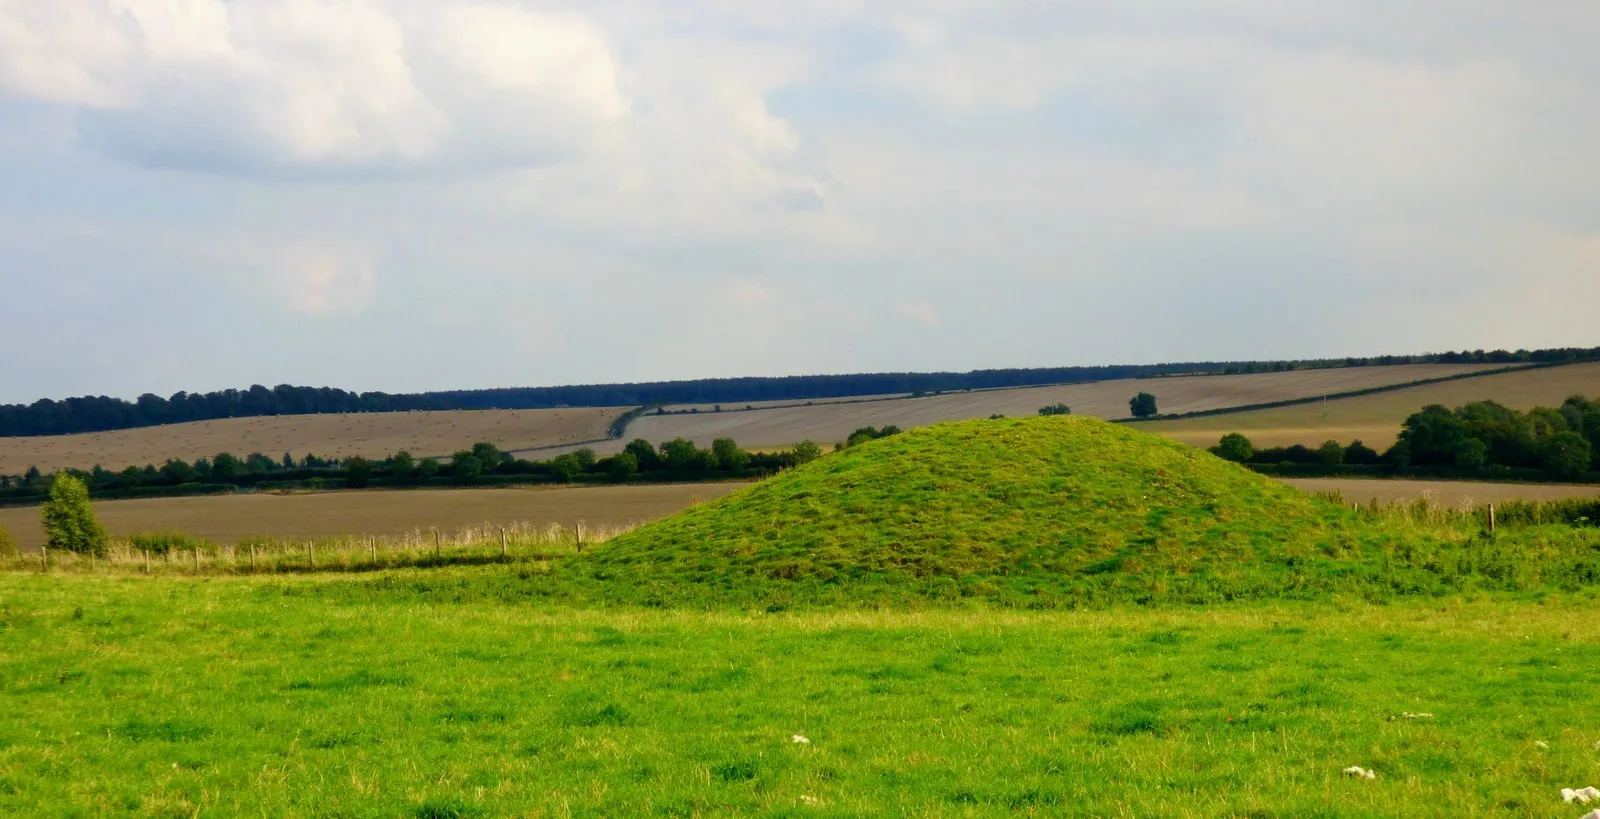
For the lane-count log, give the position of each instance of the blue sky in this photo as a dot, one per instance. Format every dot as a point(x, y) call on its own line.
point(408, 194)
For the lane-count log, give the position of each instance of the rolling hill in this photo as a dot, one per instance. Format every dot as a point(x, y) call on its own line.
point(1059, 505)
point(1376, 419)
point(826, 423)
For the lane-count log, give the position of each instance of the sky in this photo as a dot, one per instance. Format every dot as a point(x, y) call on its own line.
point(408, 195)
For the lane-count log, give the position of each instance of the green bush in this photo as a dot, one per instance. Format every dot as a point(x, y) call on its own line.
point(69, 522)
point(8, 545)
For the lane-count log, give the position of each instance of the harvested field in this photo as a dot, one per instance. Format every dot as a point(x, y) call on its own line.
point(1376, 419)
point(226, 518)
point(826, 423)
point(374, 435)
point(1452, 494)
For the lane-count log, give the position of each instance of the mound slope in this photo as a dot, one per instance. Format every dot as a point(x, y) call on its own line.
point(1009, 501)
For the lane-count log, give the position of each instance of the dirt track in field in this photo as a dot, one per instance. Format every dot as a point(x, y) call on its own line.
point(1376, 419)
point(373, 435)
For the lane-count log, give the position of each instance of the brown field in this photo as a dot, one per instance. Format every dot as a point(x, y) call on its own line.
point(827, 423)
point(1454, 494)
point(374, 435)
point(226, 518)
point(1376, 419)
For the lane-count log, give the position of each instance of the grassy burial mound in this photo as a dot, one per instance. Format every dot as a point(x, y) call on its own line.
point(1015, 508)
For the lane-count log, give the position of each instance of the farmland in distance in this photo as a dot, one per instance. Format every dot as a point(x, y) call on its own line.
point(227, 518)
point(373, 435)
point(826, 423)
point(1376, 419)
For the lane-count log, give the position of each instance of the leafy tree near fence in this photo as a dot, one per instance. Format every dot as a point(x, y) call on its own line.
point(1055, 409)
point(69, 522)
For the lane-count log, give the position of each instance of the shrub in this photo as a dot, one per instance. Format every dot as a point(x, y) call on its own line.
point(1235, 447)
point(8, 546)
point(807, 451)
point(1055, 409)
point(69, 522)
point(1142, 405)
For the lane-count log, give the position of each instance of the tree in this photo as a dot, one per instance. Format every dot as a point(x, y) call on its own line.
point(69, 522)
point(288, 461)
point(1331, 453)
point(680, 455)
point(256, 463)
point(1359, 453)
point(565, 467)
point(487, 454)
point(400, 466)
point(224, 467)
point(357, 472)
point(1566, 453)
point(585, 458)
point(807, 451)
point(8, 544)
point(1235, 447)
point(622, 466)
point(428, 468)
point(177, 471)
point(644, 454)
point(1055, 409)
point(465, 464)
point(1142, 405)
point(1471, 453)
point(729, 455)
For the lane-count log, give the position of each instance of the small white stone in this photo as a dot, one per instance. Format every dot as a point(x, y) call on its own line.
point(810, 800)
point(1594, 814)
point(800, 740)
point(1539, 743)
point(1422, 715)
point(1568, 794)
point(1360, 773)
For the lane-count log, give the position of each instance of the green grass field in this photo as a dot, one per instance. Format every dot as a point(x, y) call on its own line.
point(1043, 617)
point(340, 697)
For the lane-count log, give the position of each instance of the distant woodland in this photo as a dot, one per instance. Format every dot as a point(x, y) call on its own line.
point(102, 413)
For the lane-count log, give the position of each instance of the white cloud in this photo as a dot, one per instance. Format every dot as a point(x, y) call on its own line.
point(315, 84)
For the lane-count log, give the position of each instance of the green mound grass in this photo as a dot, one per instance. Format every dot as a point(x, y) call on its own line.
point(1033, 506)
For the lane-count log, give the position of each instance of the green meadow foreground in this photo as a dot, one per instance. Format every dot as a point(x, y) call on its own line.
point(315, 696)
point(1039, 616)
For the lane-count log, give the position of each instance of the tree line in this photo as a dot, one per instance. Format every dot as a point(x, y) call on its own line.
point(483, 463)
point(1480, 438)
point(103, 413)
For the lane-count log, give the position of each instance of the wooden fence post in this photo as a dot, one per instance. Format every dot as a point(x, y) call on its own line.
point(44, 558)
point(252, 557)
point(502, 543)
point(197, 560)
point(1491, 517)
point(437, 554)
point(311, 556)
point(372, 548)
point(577, 537)
point(146, 561)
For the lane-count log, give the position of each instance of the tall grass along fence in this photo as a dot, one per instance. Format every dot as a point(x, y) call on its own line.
point(174, 553)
